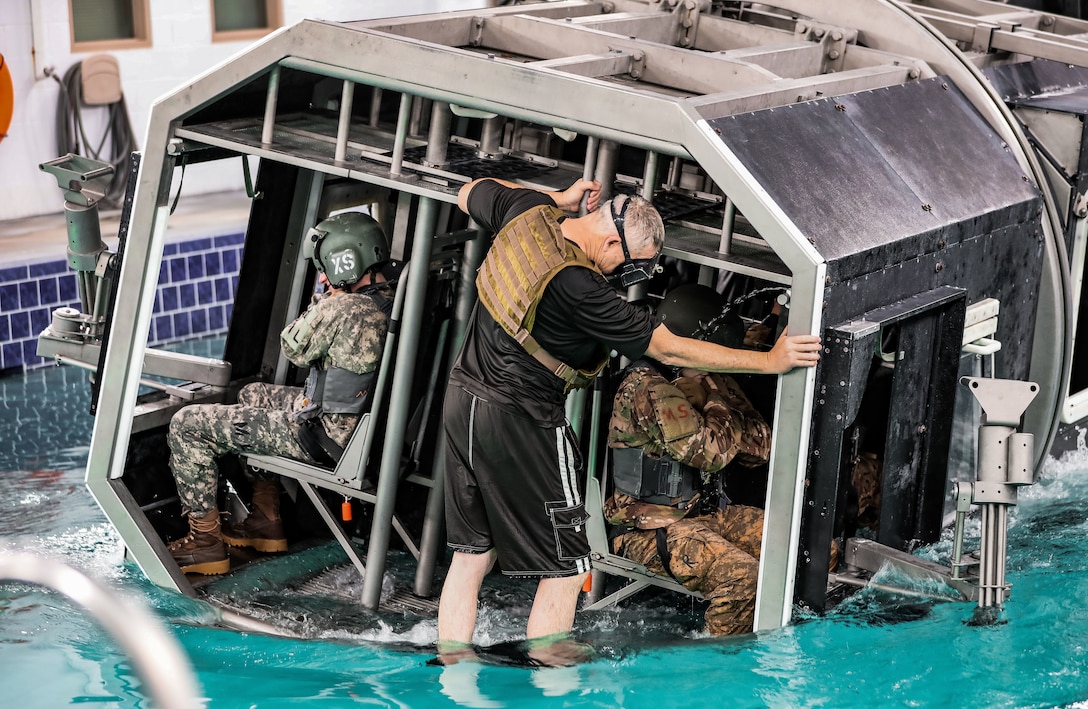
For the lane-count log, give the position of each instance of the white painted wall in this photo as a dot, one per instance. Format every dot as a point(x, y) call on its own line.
point(181, 48)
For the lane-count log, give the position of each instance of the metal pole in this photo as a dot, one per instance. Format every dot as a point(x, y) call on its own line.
point(155, 654)
point(415, 125)
point(375, 106)
point(649, 176)
point(399, 401)
point(491, 138)
point(607, 155)
point(346, 99)
point(985, 562)
point(271, 98)
point(438, 137)
point(402, 134)
point(475, 250)
point(673, 180)
point(590, 168)
point(593, 469)
point(433, 519)
point(728, 222)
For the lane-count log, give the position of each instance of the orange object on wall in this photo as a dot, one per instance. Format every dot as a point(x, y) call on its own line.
point(7, 98)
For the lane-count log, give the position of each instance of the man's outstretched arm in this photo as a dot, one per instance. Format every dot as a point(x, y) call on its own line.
point(788, 352)
point(569, 199)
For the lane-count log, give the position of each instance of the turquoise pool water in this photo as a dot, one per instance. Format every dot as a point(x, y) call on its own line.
point(875, 650)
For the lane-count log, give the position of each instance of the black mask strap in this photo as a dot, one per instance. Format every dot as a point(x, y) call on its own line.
point(632, 270)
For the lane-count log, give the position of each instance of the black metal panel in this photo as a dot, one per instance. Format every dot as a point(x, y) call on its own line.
point(1069, 8)
point(113, 271)
point(899, 165)
point(914, 484)
point(927, 328)
point(1042, 84)
point(266, 234)
point(1005, 264)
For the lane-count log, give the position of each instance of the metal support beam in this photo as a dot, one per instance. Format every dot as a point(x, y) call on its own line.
point(400, 400)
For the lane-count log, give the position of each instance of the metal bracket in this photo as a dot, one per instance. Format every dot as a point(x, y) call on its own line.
point(1003, 401)
point(249, 181)
point(687, 14)
point(834, 40)
point(982, 37)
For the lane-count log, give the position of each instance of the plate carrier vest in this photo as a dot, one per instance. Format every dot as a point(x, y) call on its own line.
point(524, 257)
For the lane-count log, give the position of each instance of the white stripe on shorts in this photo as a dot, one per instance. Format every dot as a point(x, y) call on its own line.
point(566, 469)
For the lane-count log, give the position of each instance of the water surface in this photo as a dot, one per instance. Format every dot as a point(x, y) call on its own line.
point(875, 649)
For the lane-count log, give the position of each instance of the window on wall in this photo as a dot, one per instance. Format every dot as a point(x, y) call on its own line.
point(244, 19)
point(109, 24)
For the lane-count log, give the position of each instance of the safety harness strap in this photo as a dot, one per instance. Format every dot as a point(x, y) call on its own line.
point(661, 537)
point(315, 441)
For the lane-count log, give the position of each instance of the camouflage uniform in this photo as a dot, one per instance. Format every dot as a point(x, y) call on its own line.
point(344, 330)
point(866, 477)
point(716, 554)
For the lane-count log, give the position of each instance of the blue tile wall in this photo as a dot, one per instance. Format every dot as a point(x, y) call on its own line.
point(197, 281)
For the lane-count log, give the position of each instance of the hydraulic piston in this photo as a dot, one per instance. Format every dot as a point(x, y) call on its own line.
point(1005, 463)
point(84, 182)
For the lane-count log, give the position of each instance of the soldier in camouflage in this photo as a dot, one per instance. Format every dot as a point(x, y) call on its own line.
point(705, 421)
point(340, 337)
point(699, 422)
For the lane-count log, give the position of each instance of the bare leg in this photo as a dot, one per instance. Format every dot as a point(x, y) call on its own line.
point(457, 606)
point(554, 606)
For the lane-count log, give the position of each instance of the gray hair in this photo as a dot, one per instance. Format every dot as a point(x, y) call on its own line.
point(642, 226)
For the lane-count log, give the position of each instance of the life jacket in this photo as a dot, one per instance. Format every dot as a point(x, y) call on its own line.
point(337, 391)
point(341, 391)
point(659, 481)
point(524, 257)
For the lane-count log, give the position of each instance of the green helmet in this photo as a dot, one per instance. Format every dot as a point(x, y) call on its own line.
point(694, 310)
point(345, 246)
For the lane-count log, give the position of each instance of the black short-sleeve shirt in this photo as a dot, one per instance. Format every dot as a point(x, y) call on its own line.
point(579, 316)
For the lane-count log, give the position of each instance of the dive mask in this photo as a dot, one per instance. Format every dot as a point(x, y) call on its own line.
point(632, 270)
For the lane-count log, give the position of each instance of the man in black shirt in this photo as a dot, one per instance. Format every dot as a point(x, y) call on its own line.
point(515, 483)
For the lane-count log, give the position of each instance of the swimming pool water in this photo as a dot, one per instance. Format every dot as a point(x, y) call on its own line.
point(873, 650)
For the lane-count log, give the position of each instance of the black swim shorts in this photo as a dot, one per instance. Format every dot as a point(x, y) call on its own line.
point(514, 486)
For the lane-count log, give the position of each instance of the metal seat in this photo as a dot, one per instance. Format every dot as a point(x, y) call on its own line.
point(348, 477)
point(602, 559)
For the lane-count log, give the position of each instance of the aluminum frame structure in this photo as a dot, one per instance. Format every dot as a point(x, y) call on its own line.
point(638, 75)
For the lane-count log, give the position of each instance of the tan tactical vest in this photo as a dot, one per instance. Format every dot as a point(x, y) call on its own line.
point(525, 256)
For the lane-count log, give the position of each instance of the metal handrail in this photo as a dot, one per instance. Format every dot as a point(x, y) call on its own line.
point(156, 655)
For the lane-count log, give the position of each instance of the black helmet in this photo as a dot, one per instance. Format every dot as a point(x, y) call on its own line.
point(345, 246)
point(694, 310)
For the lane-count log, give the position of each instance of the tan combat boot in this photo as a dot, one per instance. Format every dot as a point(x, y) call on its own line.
point(262, 529)
point(201, 551)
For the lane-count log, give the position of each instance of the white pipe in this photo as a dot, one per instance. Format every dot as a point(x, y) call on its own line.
point(156, 655)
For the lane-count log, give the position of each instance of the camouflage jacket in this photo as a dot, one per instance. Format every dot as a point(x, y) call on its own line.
point(345, 330)
point(706, 432)
point(339, 329)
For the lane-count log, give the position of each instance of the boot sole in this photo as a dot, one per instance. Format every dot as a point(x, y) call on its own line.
point(208, 568)
point(264, 545)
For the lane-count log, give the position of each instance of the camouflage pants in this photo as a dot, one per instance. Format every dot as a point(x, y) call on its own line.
point(716, 555)
point(259, 423)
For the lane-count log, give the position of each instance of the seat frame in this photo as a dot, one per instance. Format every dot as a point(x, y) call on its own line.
point(602, 560)
point(348, 477)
